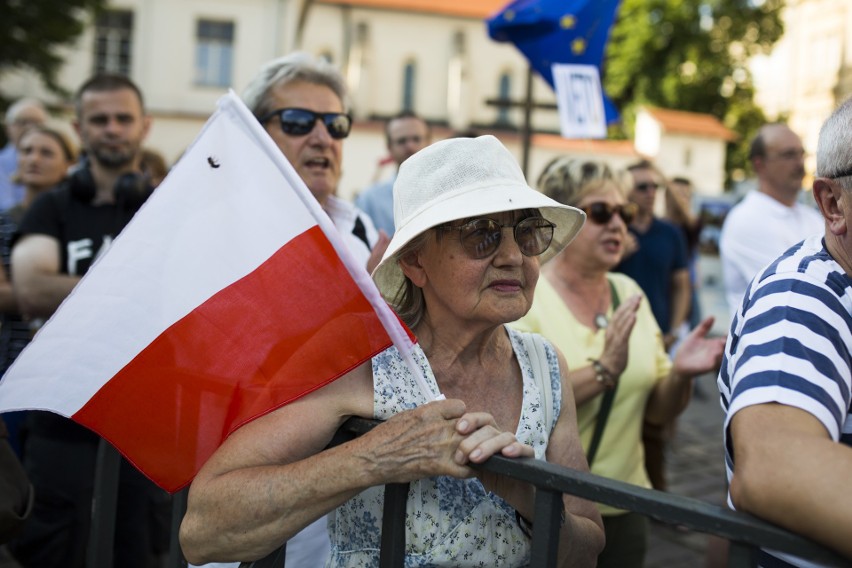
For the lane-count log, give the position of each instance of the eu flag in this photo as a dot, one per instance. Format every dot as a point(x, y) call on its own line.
point(558, 31)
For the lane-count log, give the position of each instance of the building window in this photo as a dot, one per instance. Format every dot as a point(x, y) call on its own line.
point(504, 93)
point(409, 85)
point(214, 53)
point(113, 42)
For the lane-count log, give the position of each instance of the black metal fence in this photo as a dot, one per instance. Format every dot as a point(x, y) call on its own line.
point(745, 533)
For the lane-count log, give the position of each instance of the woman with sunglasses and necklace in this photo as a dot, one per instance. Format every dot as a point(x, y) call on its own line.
point(602, 323)
point(463, 262)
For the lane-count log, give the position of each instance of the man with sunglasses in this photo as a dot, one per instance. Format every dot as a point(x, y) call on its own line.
point(405, 134)
point(300, 101)
point(659, 265)
point(770, 220)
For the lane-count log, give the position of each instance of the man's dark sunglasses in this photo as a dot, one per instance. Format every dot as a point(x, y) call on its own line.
point(646, 185)
point(300, 121)
point(600, 213)
point(480, 238)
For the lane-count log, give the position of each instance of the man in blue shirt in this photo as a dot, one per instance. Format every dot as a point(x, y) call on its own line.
point(657, 261)
point(405, 134)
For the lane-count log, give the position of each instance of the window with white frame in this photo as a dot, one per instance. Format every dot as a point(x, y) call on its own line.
point(214, 53)
point(113, 42)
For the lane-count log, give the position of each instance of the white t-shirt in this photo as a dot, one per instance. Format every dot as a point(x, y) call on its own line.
point(755, 233)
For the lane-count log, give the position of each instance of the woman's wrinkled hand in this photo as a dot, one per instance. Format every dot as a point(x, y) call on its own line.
point(416, 443)
point(483, 439)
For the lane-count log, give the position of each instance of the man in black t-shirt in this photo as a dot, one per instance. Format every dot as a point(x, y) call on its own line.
point(61, 235)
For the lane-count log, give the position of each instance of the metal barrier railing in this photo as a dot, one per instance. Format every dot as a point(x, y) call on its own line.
point(746, 533)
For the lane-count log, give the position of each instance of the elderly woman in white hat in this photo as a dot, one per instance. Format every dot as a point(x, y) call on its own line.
point(463, 262)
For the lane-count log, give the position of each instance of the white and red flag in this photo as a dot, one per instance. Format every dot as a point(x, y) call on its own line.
point(228, 295)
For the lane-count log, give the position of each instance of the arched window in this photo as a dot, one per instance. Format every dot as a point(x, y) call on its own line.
point(409, 85)
point(504, 93)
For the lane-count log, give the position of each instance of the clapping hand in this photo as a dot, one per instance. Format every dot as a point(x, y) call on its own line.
point(617, 337)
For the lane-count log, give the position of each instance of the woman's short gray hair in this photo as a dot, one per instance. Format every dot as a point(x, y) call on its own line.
point(296, 66)
point(568, 180)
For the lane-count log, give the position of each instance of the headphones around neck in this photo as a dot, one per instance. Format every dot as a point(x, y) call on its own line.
point(131, 189)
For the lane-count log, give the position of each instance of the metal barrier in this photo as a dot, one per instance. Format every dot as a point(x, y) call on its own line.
point(745, 533)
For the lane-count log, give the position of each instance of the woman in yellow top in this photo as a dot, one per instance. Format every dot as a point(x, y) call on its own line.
point(608, 347)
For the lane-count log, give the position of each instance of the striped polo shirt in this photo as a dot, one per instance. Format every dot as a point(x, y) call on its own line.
point(791, 342)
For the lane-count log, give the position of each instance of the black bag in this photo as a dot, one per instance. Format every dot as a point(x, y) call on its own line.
point(16, 492)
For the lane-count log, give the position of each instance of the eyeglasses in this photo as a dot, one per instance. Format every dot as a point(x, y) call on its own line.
point(646, 185)
point(300, 121)
point(601, 213)
point(480, 238)
point(788, 155)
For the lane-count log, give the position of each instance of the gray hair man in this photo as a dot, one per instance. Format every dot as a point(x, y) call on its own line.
point(787, 374)
point(301, 102)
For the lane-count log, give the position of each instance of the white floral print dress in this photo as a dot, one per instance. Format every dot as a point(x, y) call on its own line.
point(449, 521)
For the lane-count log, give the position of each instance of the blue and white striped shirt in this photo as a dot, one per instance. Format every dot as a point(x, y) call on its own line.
point(791, 343)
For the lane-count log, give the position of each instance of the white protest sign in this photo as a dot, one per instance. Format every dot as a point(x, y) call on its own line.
point(579, 98)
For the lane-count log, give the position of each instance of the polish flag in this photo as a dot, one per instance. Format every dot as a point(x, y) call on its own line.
point(228, 295)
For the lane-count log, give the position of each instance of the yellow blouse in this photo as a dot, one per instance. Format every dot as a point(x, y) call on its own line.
point(620, 455)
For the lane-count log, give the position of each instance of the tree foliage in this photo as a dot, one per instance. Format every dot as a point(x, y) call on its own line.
point(33, 31)
point(691, 55)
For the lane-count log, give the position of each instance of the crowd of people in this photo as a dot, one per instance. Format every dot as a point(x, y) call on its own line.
point(559, 322)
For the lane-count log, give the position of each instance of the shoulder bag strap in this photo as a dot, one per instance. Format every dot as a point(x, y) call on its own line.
point(606, 401)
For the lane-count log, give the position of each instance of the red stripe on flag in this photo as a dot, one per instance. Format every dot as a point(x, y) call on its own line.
point(296, 323)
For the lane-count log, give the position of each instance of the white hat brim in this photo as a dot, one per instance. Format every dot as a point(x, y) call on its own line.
point(474, 201)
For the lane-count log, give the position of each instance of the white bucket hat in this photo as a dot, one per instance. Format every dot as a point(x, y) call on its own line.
point(461, 178)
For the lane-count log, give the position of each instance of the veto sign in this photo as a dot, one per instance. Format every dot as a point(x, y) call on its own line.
point(579, 98)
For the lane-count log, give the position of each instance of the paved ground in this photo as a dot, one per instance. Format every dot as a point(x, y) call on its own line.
point(695, 464)
point(695, 469)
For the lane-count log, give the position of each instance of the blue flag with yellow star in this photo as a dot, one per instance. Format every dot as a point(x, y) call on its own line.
point(558, 31)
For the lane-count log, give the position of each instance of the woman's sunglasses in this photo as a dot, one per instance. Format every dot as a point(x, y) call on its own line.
point(480, 238)
point(300, 121)
point(601, 213)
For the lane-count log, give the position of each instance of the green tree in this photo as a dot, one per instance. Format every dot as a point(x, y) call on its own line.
point(33, 31)
point(691, 55)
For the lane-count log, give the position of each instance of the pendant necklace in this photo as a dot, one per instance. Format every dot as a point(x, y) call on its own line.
point(601, 320)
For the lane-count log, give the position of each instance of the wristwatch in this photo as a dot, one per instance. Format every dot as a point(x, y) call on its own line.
point(603, 375)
